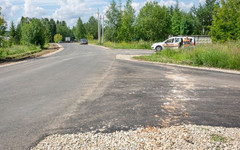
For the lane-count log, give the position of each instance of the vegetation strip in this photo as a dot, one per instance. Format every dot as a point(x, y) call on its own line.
point(20, 52)
point(224, 56)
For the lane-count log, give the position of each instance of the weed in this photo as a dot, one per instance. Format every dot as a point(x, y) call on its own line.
point(217, 55)
point(126, 45)
point(218, 138)
point(18, 51)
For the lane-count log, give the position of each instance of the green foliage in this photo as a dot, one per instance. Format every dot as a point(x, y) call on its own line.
point(57, 38)
point(79, 31)
point(225, 55)
point(153, 22)
point(92, 27)
point(126, 31)
point(186, 25)
point(204, 16)
point(89, 36)
point(53, 29)
point(3, 27)
point(33, 33)
point(47, 27)
point(19, 51)
point(218, 138)
point(226, 21)
point(61, 28)
point(113, 24)
point(12, 33)
point(18, 34)
point(128, 45)
point(176, 20)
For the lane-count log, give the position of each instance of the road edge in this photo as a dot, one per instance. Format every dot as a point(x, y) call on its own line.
point(130, 58)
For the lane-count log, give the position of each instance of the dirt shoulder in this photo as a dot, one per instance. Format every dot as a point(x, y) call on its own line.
point(53, 48)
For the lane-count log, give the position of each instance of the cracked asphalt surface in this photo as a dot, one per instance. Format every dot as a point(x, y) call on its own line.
point(85, 88)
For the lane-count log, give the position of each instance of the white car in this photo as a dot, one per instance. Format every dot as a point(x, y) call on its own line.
point(174, 42)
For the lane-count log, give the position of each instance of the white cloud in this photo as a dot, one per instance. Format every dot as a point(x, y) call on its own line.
point(137, 6)
point(8, 9)
point(202, 1)
point(71, 10)
point(182, 5)
point(167, 3)
point(30, 10)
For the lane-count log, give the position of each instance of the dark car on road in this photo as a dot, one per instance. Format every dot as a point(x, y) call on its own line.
point(83, 41)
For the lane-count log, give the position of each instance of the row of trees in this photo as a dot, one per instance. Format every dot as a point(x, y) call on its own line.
point(155, 22)
point(220, 20)
point(226, 21)
point(37, 32)
point(87, 30)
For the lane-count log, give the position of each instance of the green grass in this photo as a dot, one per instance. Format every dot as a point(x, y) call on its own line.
point(16, 52)
point(92, 41)
point(225, 55)
point(218, 138)
point(125, 45)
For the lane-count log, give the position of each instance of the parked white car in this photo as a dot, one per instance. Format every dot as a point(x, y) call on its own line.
point(174, 42)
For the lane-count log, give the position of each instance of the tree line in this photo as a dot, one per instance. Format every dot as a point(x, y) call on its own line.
point(42, 31)
point(220, 19)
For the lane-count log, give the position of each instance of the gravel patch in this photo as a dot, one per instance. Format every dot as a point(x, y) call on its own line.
point(175, 137)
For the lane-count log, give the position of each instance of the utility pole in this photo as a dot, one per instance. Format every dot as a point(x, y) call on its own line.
point(98, 27)
point(102, 29)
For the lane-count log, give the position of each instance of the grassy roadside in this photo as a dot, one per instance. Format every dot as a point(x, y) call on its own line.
point(124, 45)
point(225, 56)
point(19, 52)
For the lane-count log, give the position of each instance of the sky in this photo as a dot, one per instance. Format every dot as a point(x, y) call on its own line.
point(71, 10)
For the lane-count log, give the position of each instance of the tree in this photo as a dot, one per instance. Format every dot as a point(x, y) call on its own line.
point(113, 22)
point(79, 30)
point(57, 38)
point(12, 33)
point(176, 20)
point(18, 34)
point(47, 26)
point(153, 22)
point(61, 28)
point(186, 25)
point(226, 18)
point(204, 15)
point(34, 33)
point(3, 27)
point(53, 30)
point(92, 27)
point(127, 29)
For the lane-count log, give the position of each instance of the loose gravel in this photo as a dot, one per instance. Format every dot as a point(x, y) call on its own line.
point(190, 137)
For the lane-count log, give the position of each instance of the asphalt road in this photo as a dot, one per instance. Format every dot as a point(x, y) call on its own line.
point(84, 88)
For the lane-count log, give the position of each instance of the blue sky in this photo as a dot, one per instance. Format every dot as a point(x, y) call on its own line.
point(70, 10)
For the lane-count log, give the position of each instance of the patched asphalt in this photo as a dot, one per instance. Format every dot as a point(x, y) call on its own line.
point(85, 88)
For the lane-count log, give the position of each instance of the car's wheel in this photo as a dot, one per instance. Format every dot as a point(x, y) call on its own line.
point(158, 48)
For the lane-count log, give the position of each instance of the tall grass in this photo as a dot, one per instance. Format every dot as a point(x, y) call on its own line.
point(217, 55)
point(128, 45)
point(18, 51)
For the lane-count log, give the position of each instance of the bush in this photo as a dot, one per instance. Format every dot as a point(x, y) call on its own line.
point(33, 33)
point(57, 38)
